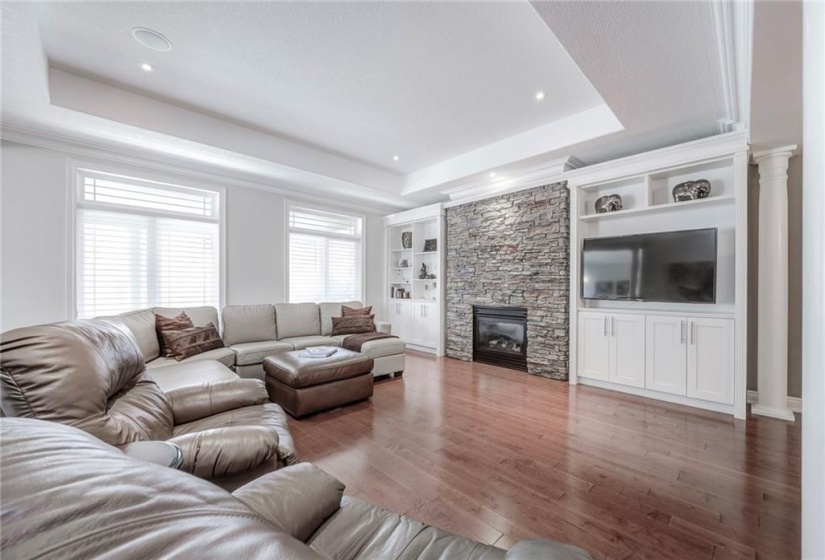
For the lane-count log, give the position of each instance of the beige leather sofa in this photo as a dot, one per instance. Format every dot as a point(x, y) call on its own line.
point(69, 495)
point(91, 375)
point(251, 333)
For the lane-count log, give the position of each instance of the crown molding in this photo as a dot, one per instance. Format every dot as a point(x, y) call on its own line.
point(180, 166)
point(733, 34)
point(535, 176)
point(712, 147)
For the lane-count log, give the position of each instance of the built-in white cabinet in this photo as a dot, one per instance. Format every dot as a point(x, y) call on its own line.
point(612, 348)
point(415, 277)
point(688, 356)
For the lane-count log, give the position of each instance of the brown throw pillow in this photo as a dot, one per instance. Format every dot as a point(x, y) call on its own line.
point(351, 311)
point(355, 324)
point(186, 343)
point(177, 323)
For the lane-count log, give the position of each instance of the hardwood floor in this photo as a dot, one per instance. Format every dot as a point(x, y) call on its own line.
point(500, 456)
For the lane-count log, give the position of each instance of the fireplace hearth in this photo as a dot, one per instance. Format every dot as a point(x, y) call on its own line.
point(500, 336)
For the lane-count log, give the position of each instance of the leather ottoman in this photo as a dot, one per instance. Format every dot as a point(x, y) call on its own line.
point(303, 386)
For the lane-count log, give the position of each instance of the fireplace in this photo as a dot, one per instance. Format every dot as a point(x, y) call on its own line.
point(500, 336)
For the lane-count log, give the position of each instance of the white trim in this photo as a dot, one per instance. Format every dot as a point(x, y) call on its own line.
point(169, 164)
point(667, 397)
point(794, 403)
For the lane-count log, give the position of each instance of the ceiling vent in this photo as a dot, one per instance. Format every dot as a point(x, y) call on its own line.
point(151, 39)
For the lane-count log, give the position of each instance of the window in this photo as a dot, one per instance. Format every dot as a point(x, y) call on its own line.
point(325, 256)
point(144, 244)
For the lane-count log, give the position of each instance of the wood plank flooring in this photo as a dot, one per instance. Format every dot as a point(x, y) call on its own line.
point(500, 456)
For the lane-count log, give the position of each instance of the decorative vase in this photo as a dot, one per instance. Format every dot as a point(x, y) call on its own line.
point(691, 190)
point(608, 203)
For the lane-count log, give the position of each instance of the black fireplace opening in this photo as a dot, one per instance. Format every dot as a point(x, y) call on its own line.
point(500, 336)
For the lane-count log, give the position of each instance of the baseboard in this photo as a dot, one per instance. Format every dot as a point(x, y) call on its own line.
point(794, 403)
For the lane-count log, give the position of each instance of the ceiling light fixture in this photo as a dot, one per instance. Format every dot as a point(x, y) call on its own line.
point(540, 95)
point(146, 67)
point(492, 173)
point(151, 39)
point(395, 158)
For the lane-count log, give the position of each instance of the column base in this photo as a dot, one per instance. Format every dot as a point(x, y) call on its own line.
point(772, 412)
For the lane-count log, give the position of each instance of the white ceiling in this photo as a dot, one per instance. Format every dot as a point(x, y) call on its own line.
point(425, 81)
point(318, 97)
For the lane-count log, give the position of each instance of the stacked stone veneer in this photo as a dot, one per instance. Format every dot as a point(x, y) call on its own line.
point(512, 251)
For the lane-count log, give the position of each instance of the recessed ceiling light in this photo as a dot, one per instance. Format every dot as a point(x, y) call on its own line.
point(395, 158)
point(492, 173)
point(540, 95)
point(146, 67)
point(151, 39)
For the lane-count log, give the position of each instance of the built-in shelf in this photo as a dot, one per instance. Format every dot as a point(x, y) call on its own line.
point(659, 207)
point(400, 267)
point(399, 250)
point(425, 279)
point(426, 252)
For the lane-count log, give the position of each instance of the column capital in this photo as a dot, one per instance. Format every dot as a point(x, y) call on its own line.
point(784, 152)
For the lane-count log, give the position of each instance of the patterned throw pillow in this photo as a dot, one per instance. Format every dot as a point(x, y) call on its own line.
point(179, 322)
point(186, 343)
point(355, 324)
point(351, 311)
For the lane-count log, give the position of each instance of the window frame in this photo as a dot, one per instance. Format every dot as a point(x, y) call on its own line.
point(290, 204)
point(150, 177)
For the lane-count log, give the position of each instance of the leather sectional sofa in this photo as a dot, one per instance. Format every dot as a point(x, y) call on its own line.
point(253, 332)
point(71, 496)
point(91, 375)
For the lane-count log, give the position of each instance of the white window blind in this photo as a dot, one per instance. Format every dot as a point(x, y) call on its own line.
point(325, 262)
point(141, 244)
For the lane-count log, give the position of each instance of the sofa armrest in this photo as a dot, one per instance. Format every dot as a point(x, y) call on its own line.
point(383, 326)
point(224, 451)
point(298, 499)
point(548, 550)
point(199, 401)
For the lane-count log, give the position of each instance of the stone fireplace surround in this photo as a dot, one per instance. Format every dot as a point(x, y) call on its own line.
point(512, 250)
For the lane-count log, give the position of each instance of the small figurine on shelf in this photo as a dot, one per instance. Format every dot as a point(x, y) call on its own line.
point(423, 274)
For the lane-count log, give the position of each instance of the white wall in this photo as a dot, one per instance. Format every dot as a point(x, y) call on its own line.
point(34, 230)
point(813, 285)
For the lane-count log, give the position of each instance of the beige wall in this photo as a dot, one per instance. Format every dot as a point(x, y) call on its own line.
point(794, 276)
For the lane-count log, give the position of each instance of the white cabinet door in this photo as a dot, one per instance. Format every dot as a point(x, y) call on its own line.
point(710, 359)
point(399, 314)
point(594, 346)
point(627, 349)
point(419, 324)
point(666, 354)
point(433, 324)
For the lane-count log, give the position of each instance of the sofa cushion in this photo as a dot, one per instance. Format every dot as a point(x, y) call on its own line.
point(301, 342)
point(250, 353)
point(248, 323)
point(200, 315)
point(187, 343)
point(379, 348)
point(174, 375)
point(141, 324)
point(177, 323)
point(333, 309)
point(297, 319)
point(353, 324)
point(223, 355)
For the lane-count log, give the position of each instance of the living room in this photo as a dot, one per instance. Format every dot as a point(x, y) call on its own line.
point(412, 280)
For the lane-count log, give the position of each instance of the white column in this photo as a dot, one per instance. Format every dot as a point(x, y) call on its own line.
point(772, 355)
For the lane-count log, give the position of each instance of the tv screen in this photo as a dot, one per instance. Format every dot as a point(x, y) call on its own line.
point(673, 266)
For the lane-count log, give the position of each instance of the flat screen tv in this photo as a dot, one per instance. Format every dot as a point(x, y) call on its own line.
point(672, 266)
